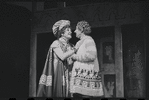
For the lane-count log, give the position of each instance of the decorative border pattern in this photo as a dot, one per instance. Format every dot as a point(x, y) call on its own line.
point(103, 14)
point(46, 80)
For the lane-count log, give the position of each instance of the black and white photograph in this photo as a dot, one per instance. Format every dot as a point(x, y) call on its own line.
point(74, 49)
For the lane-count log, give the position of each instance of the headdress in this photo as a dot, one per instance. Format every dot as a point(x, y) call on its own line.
point(59, 25)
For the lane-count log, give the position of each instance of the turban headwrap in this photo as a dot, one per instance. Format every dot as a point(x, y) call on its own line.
point(59, 25)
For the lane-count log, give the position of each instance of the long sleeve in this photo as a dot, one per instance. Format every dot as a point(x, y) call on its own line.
point(59, 52)
point(89, 53)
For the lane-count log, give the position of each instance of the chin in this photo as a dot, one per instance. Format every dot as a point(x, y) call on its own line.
point(69, 37)
point(77, 37)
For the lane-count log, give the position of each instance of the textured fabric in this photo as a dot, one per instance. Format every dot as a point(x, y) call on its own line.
point(54, 79)
point(87, 54)
point(86, 79)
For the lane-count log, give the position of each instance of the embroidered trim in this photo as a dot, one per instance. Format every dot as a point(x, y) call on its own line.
point(63, 80)
point(84, 84)
point(42, 79)
point(87, 91)
point(86, 87)
point(49, 81)
point(92, 84)
point(87, 74)
point(77, 82)
point(46, 80)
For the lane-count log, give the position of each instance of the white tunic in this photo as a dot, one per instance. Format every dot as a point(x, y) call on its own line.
point(85, 78)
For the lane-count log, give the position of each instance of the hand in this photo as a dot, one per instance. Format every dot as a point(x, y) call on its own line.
point(70, 73)
point(76, 47)
point(78, 44)
point(73, 57)
point(69, 60)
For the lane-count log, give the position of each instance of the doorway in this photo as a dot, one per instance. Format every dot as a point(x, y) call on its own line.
point(104, 39)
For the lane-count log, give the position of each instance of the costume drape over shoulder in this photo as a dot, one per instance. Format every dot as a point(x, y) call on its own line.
point(45, 83)
point(54, 79)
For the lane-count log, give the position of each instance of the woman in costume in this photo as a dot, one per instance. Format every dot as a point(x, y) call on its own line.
point(54, 79)
point(85, 79)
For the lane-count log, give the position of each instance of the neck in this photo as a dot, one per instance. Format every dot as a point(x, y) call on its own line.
point(82, 35)
point(65, 39)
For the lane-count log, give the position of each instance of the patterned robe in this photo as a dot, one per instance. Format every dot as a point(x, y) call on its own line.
point(86, 79)
point(54, 81)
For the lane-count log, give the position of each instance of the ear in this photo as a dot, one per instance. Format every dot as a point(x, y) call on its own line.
point(80, 28)
point(82, 31)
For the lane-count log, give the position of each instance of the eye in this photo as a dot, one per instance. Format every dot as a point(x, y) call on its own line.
point(67, 29)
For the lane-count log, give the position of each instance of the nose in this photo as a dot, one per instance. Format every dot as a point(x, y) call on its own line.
point(70, 31)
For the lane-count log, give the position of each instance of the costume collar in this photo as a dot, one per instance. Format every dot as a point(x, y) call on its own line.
point(84, 37)
point(63, 40)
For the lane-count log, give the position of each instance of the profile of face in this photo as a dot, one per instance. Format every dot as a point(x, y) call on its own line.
point(67, 33)
point(78, 32)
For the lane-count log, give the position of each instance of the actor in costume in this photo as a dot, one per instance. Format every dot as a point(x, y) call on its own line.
point(85, 79)
point(54, 79)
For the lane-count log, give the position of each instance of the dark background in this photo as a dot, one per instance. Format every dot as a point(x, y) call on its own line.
point(15, 30)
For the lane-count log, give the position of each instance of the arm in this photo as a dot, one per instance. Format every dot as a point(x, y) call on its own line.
point(62, 55)
point(69, 61)
point(90, 52)
point(58, 51)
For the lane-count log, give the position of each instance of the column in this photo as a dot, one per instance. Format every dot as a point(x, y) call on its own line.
point(119, 62)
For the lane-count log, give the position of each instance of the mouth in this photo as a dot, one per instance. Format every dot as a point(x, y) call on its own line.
point(69, 33)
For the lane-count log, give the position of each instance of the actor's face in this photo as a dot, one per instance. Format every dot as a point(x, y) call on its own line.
point(78, 32)
point(67, 33)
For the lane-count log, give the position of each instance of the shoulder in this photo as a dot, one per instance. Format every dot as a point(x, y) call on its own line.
point(55, 44)
point(72, 45)
point(89, 39)
point(89, 42)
